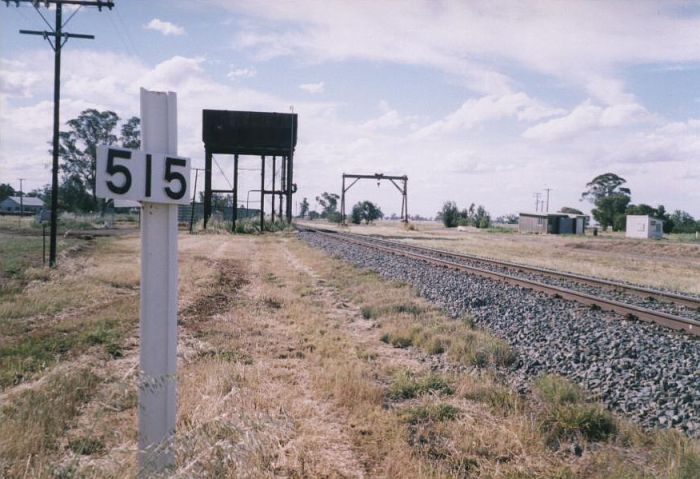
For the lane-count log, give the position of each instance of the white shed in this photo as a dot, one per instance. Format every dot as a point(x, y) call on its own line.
point(644, 226)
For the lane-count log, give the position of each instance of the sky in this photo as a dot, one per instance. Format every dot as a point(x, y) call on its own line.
point(485, 102)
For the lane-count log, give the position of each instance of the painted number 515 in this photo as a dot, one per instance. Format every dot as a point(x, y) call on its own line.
point(122, 187)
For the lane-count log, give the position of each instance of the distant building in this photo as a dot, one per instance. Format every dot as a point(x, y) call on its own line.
point(552, 223)
point(14, 205)
point(644, 226)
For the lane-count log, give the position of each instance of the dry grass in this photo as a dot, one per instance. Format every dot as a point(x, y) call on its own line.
point(282, 372)
point(666, 263)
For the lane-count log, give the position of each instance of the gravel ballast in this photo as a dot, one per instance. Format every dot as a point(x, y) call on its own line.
point(647, 372)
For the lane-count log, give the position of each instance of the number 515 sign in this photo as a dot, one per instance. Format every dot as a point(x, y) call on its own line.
point(141, 176)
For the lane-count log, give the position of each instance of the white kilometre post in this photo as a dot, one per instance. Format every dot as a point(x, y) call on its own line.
point(158, 316)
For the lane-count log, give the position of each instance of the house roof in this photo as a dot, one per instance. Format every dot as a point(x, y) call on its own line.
point(27, 200)
point(558, 214)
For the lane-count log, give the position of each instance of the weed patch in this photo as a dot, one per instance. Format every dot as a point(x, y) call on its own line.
point(500, 399)
point(40, 349)
point(406, 386)
point(86, 446)
point(565, 415)
point(428, 413)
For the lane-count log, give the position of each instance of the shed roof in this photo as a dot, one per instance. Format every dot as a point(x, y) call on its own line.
point(27, 200)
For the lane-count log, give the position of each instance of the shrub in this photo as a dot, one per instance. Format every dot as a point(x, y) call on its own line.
point(565, 415)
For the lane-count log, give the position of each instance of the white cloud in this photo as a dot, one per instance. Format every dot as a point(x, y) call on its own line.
point(166, 28)
point(585, 117)
point(476, 111)
point(246, 72)
point(312, 87)
point(16, 79)
point(581, 42)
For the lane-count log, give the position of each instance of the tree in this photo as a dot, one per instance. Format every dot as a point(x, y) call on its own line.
point(509, 219)
point(356, 214)
point(570, 211)
point(683, 222)
point(131, 133)
point(659, 212)
point(449, 214)
point(482, 218)
point(476, 216)
point(304, 208)
point(78, 146)
point(604, 185)
point(328, 202)
point(72, 196)
point(329, 205)
point(6, 190)
point(610, 199)
point(610, 211)
point(219, 201)
point(367, 211)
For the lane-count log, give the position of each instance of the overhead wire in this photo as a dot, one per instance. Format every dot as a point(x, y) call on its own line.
point(222, 172)
point(126, 31)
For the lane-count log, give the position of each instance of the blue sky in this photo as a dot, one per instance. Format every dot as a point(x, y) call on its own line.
point(485, 102)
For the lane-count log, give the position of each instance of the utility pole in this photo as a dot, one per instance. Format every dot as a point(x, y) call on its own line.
point(59, 40)
point(21, 201)
point(21, 197)
point(537, 201)
point(547, 190)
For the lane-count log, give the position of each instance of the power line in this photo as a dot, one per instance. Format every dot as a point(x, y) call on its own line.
point(537, 201)
point(222, 172)
point(59, 40)
point(548, 190)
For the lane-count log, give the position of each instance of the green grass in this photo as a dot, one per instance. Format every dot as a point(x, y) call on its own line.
point(557, 390)
point(373, 312)
point(86, 446)
point(679, 454)
point(565, 415)
point(17, 253)
point(406, 385)
point(499, 398)
point(34, 352)
point(480, 349)
point(243, 226)
point(428, 413)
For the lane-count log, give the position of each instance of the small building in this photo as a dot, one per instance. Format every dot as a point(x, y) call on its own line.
point(552, 223)
point(15, 205)
point(644, 226)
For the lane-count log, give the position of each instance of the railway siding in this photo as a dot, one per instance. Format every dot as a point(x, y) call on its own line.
point(668, 302)
point(643, 370)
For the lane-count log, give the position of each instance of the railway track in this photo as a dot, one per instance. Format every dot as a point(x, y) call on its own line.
point(554, 283)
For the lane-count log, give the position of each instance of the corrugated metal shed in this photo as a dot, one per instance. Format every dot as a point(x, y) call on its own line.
point(551, 223)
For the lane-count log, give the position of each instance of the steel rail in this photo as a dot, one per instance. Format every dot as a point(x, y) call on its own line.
point(626, 310)
point(592, 281)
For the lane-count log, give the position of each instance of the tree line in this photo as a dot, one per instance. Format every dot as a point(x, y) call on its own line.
point(613, 202)
point(476, 216)
point(362, 211)
point(77, 151)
